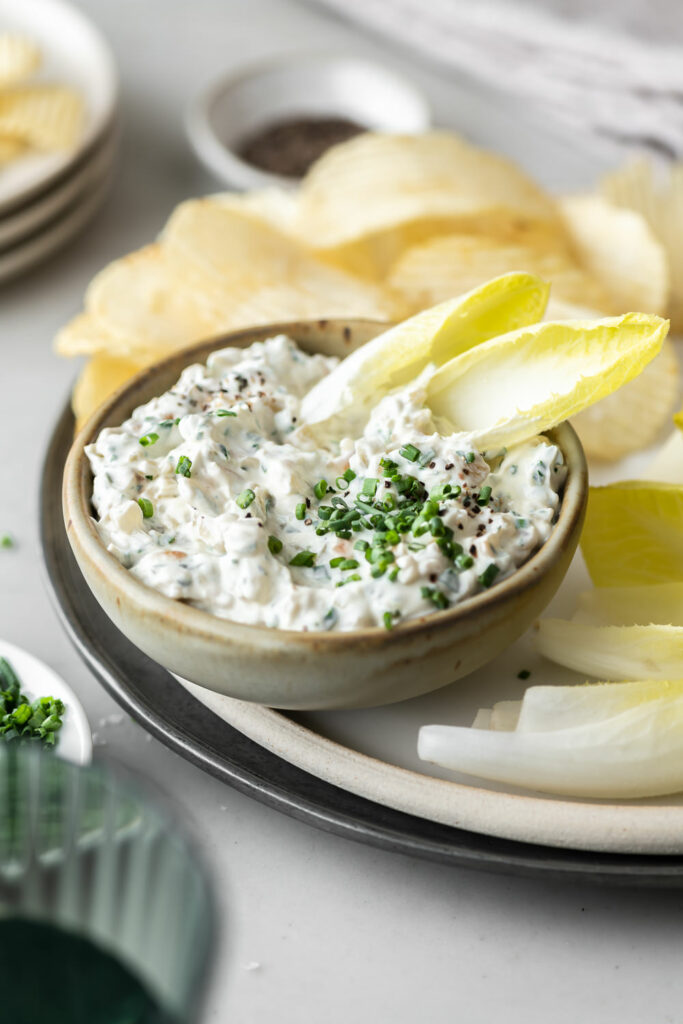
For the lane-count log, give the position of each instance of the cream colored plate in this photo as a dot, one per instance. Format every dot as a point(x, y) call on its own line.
point(372, 752)
point(47, 207)
point(26, 254)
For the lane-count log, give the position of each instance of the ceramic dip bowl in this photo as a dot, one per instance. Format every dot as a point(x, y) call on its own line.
point(291, 669)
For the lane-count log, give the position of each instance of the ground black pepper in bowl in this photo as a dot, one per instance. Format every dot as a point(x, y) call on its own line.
point(288, 148)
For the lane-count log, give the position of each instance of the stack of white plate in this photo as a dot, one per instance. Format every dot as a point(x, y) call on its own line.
point(47, 198)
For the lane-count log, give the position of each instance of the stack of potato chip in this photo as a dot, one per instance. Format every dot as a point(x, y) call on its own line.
point(33, 116)
point(382, 226)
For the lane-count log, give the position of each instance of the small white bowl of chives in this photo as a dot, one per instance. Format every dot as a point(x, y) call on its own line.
point(73, 739)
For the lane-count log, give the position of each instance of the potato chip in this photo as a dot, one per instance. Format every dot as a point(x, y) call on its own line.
point(99, 378)
point(19, 58)
point(619, 249)
point(633, 417)
point(44, 116)
point(446, 266)
point(667, 465)
point(10, 149)
point(356, 198)
point(146, 308)
point(274, 206)
point(84, 336)
point(230, 257)
point(657, 195)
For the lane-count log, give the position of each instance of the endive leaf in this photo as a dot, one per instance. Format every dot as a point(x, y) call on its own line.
point(633, 534)
point(545, 708)
point(398, 355)
point(613, 652)
point(632, 606)
point(513, 387)
point(634, 752)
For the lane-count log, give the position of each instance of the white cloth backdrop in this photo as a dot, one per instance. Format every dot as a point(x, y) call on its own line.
point(614, 69)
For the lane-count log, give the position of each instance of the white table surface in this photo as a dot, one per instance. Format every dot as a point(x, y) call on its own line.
point(339, 931)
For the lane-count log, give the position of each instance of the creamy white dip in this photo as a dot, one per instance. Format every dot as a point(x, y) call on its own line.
point(215, 495)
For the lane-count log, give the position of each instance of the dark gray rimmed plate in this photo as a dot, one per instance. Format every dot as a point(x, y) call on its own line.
point(153, 697)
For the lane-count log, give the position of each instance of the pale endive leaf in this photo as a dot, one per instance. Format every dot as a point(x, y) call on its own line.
point(398, 355)
point(547, 708)
point(632, 606)
point(633, 534)
point(518, 385)
point(613, 652)
point(636, 752)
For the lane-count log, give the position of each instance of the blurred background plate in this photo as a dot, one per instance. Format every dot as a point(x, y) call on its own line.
point(32, 250)
point(47, 206)
point(74, 53)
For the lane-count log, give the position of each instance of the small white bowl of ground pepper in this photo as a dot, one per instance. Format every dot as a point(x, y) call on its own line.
point(267, 124)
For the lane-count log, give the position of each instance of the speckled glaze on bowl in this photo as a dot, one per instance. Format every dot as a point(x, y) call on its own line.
point(288, 669)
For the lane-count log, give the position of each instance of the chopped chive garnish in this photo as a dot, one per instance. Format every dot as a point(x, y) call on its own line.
point(489, 574)
point(349, 475)
point(348, 563)
point(484, 495)
point(24, 720)
point(341, 483)
point(148, 476)
point(225, 412)
point(6, 541)
point(524, 674)
point(274, 545)
point(184, 467)
point(146, 507)
point(336, 562)
point(388, 466)
point(320, 489)
point(369, 487)
point(426, 457)
point(330, 617)
point(245, 499)
point(300, 510)
point(353, 578)
point(361, 545)
point(148, 439)
point(437, 597)
point(304, 558)
point(410, 452)
point(464, 562)
point(393, 575)
point(520, 523)
point(388, 620)
point(470, 457)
